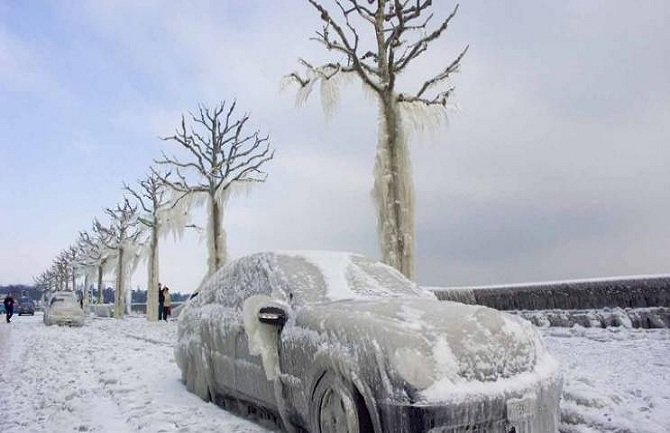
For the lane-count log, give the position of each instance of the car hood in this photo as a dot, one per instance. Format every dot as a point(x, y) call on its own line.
point(427, 340)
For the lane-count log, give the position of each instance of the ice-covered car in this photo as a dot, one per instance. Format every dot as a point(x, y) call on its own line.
point(25, 306)
point(63, 309)
point(338, 343)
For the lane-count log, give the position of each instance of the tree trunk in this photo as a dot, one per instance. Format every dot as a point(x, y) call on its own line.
point(152, 283)
point(85, 291)
point(74, 280)
point(119, 295)
point(393, 190)
point(217, 237)
point(100, 266)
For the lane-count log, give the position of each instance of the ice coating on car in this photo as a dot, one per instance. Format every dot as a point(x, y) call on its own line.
point(364, 321)
point(63, 308)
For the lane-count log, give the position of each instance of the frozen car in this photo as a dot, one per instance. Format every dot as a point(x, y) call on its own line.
point(337, 343)
point(26, 306)
point(63, 309)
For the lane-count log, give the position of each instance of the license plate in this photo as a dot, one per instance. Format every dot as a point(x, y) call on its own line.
point(520, 409)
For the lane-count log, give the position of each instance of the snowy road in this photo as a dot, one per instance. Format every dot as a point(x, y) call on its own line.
point(108, 376)
point(120, 376)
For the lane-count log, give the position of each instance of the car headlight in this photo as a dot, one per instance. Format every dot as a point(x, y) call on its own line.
point(415, 367)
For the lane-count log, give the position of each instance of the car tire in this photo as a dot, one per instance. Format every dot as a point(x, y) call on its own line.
point(335, 407)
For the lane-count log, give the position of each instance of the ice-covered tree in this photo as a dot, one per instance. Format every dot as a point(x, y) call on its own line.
point(71, 257)
point(121, 236)
point(94, 258)
point(376, 41)
point(47, 282)
point(219, 156)
point(86, 263)
point(160, 216)
point(98, 254)
point(61, 269)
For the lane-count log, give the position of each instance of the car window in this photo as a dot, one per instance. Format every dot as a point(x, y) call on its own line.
point(306, 284)
point(62, 298)
point(381, 279)
point(362, 276)
point(235, 282)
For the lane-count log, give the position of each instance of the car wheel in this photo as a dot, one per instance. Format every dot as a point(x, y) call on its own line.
point(334, 407)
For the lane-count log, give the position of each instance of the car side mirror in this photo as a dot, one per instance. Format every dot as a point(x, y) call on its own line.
point(272, 316)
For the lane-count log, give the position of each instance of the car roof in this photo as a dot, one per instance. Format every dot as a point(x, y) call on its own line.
point(313, 276)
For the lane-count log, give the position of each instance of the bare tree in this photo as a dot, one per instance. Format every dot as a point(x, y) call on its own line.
point(47, 282)
point(98, 253)
point(94, 257)
point(152, 196)
point(221, 155)
point(400, 32)
point(70, 255)
point(121, 236)
point(61, 270)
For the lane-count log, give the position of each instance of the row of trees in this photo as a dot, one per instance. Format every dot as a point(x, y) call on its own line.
point(218, 155)
point(374, 41)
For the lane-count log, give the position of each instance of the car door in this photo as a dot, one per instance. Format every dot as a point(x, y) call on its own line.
point(221, 334)
point(250, 377)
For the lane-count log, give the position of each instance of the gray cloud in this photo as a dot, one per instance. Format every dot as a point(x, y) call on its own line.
point(556, 166)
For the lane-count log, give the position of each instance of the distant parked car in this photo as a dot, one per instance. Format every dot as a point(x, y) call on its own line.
point(25, 306)
point(338, 343)
point(63, 309)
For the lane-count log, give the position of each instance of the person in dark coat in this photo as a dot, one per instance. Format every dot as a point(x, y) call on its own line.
point(167, 304)
point(161, 301)
point(9, 306)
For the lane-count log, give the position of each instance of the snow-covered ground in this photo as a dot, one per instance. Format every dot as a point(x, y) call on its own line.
point(120, 376)
point(109, 376)
point(616, 379)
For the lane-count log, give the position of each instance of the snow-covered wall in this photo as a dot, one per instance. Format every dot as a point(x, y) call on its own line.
point(627, 292)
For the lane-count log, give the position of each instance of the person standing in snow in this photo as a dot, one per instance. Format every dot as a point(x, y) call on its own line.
point(161, 300)
point(166, 303)
point(9, 307)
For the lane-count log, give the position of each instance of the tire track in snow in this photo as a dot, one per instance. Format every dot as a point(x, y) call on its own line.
point(51, 388)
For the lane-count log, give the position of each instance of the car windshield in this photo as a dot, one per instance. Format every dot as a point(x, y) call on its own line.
point(26, 301)
point(62, 298)
point(319, 277)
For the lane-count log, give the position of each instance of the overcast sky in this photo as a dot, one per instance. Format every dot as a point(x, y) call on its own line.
point(556, 165)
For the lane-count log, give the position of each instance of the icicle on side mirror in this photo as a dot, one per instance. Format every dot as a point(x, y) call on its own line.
point(272, 316)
